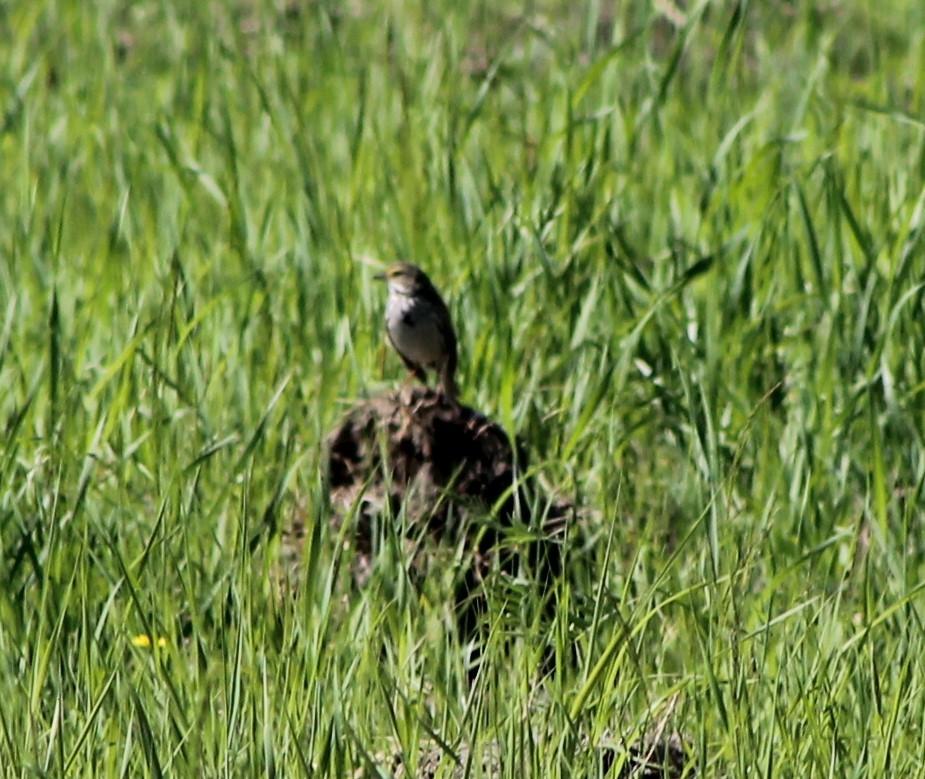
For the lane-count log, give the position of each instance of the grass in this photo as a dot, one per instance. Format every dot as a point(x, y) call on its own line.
point(685, 261)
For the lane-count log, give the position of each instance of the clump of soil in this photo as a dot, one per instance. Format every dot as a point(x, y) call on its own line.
point(449, 468)
point(655, 756)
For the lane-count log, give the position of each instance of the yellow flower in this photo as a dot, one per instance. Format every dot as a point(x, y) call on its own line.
point(144, 641)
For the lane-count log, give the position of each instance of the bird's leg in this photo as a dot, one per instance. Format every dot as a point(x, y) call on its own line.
point(414, 371)
point(403, 391)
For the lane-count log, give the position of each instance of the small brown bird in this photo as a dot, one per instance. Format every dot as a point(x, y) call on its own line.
point(419, 326)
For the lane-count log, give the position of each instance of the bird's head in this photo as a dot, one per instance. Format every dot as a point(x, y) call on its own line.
point(404, 278)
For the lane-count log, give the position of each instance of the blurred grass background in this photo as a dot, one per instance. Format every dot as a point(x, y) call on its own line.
point(683, 247)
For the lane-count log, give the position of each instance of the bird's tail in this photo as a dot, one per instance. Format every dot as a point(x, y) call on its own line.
point(448, 384)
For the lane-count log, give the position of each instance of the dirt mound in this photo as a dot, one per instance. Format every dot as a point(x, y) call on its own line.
point(449, 467)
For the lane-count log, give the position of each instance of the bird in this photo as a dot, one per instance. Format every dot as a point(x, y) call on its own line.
point(419, 326)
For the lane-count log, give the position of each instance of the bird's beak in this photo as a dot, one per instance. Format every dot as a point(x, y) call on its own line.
point(379, 277)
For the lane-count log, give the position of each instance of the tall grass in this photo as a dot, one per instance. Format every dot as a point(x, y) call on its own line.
point(683, 248)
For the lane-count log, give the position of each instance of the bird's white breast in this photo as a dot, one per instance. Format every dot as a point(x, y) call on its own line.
point(414, 330)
